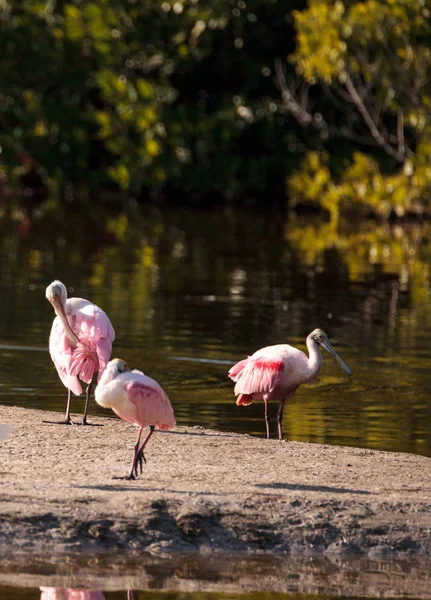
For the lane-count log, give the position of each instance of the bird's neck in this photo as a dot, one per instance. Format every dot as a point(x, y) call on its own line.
point(314, 359)
point(110, 372)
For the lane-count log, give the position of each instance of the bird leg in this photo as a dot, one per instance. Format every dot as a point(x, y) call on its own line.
point(67, 420)
point(87, 400)
point(139, 455)
point(266, 419)
point(134, 467)
point(280, 419)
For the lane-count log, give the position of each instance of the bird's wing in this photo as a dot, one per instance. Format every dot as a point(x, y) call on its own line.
point(151, 402)
point(61, 355)
point(93, 326)
point(259, 376)
point(235, 372)
point(93, 323)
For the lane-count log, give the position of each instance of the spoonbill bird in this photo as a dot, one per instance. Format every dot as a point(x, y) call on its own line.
point(135, 398)
point(278, 371)
point(80, 342)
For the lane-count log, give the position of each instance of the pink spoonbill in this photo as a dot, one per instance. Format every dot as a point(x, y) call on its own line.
point(135, 398)
point(80, 343)
point(276, 372)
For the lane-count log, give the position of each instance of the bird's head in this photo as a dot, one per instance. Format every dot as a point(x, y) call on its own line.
point(319, 337)
point(56, 293)
point(116, 366)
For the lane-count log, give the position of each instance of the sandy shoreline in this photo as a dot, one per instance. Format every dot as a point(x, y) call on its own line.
point(205, 491)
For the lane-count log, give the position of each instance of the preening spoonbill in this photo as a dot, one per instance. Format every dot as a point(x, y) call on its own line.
point(277, 372)
point(80, 343)
point(135, 398)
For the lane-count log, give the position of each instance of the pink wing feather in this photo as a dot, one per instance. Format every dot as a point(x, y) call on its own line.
point(235, 372)
point(258, 376)
point(61, 355)
point(152, 405)
point(95, 333)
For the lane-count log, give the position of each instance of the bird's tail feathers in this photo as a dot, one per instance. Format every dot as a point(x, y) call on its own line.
point(244, 399)
point(236, 371)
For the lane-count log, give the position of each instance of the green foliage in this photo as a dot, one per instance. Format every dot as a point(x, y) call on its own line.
point(362, 183)
point(180, 99)
point(150, 95)
point(371, 59)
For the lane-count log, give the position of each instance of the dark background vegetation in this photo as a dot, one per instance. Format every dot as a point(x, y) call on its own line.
point(193, 101)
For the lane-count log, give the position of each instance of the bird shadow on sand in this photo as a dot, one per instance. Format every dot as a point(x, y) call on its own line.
point(203, 433)
point(311, 488)
point(74, 424)
point(128, 487)
point(116, 488)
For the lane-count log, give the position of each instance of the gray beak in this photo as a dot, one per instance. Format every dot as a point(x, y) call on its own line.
point(61, 313)
point(331, 350)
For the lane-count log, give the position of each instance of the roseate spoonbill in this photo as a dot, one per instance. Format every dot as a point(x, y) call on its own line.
point(135, 398)
point(80, 342)
point(277, 372)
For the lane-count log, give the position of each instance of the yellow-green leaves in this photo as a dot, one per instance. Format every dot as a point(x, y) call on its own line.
point(321, 49)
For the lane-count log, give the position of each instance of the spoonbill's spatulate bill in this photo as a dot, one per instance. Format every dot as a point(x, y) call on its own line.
point(80, 343)
point(135, 398)
point(276, 372)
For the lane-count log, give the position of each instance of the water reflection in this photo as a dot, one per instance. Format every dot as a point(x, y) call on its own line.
point(259, 577)
point(189, 293)
point(57, 593)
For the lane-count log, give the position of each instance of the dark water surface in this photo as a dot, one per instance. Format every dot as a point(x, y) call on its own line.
point(191, 292)
point(210, 577)
point(56, 593)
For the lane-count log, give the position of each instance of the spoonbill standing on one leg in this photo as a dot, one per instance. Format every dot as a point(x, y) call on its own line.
point(80, 343)
point(136, 398)
point(277, 372)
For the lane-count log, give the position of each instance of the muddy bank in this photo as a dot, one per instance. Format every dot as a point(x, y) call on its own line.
point(205, 491)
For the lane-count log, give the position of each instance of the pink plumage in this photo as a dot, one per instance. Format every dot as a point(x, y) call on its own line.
point(80, 342)
point(277, 372)
point(136, 398)
point(151, 403)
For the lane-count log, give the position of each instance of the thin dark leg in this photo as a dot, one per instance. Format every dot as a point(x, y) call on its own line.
point(266, 419)
point(69, 402)
point(67, 420)
point(139, 456)
point(280, 419)
point(131, 476)
point(87, 400)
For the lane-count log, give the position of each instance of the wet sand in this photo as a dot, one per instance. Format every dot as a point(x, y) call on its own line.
point(205, 491)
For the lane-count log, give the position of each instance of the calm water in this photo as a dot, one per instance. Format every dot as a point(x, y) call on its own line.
point(189, 293)
point(198, 578)
point(56, 593)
